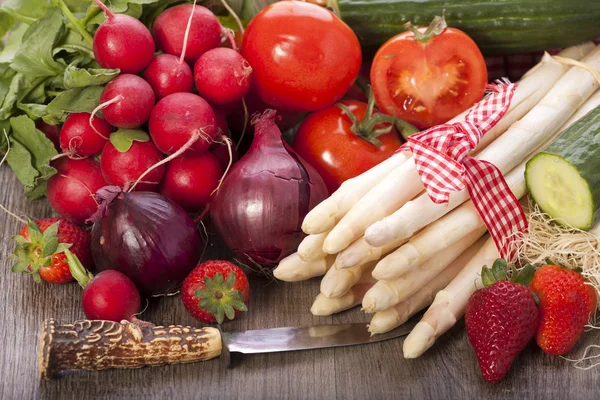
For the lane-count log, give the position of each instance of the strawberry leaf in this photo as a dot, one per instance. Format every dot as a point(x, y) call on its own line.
point(50, 247)
point(499, 269)
point(218, 278)
point(487, 278)
point(525, 276)
point(51, 232)
point(230, 281)
point(20, 266)
point(35, 235)
point(62, 247)
point(229, 312)
point(20, 239)
point(202, 294)
point(219, 315)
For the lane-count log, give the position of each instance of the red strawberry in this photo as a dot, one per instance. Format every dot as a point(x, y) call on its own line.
point(41, 245)
point(500, 319)
point(566, 304)
point(215, 290)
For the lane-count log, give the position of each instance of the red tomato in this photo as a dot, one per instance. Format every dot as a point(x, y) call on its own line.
point(303, 57)
point(325, 140)
point(428, 83)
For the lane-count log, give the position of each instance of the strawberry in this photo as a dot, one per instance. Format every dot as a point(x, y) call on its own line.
point(41, 245)
point(215, 290)
point(566, 304)
point(501, 319)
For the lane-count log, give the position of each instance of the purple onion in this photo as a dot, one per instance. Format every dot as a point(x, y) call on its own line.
point(262, 202)
point(146, 236)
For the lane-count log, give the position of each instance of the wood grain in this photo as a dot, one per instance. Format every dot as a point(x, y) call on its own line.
point(377, 371)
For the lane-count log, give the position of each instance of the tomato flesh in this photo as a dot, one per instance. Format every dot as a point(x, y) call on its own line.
point(325, 140)
point(429, 83)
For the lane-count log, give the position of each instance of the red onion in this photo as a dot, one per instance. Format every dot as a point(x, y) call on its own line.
point(261, 204)
point(146, 236)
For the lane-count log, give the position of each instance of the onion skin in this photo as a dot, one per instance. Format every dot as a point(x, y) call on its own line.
point(147, 237)
point(262, 202)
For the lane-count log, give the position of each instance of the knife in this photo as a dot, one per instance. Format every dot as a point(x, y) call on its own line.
point(97, 345)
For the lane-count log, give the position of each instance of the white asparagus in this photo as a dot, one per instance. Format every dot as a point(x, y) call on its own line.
point(525, 136)
point(442, 233)
point(311, 247)
point(337, 282)
point(360, 252)
point(386, 293)
point(324, 305)
point(588, 106)
point(386, 320)
point(326, 214)
point(398, 187)
point(293, 269)
point(449, 303)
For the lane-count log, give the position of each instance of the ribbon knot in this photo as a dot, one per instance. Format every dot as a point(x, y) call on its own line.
point(443, 162)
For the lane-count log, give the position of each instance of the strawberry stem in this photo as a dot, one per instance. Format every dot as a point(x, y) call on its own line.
point(219, 298)
point(81, 275)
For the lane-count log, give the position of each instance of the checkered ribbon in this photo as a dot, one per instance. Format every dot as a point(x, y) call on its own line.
point(442, 159)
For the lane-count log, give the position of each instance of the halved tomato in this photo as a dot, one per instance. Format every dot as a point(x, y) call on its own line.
point(429, 79)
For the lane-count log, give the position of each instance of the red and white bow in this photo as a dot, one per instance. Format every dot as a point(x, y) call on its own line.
point(442, 159)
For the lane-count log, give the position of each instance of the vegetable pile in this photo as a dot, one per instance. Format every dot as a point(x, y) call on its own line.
point(140, 120)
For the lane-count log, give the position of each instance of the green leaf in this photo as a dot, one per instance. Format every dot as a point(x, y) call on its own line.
point(27, 11)
point(19, 87)
point(79, 77)
point(202, 294)
point(6, 22)
point(72, 100)
point(525, 276)
point(123, 138)
point(30, 153)
point(50, 247)
point(218, 279)
point(230, 281)
point(20, 266)
point(6, 77)
point(62, 247)
point(20, 239)
point(209, 283)
point(219, 315)
point(228, 310)
point(35, 235)
point(499, 269)
point(34, 57)
point(50, 232)
point(33, 110)
point(81, 275)
point(487, 277)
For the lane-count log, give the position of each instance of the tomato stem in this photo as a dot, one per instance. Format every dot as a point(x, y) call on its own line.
point(436, 27)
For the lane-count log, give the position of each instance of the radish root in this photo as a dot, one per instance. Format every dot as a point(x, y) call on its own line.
point(230, 35)
point(104, 8)
point(229, 146)
point(187, 33)
point(234, 15)
point(84, 185)
point(246, 118)
point(199, 134)
point(585, 361)
point(100, 107)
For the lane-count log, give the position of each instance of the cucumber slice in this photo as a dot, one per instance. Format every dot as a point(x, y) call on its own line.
point(557, 187)
point(564, 179)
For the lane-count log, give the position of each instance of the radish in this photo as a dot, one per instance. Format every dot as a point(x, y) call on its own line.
point(52, 132)
point(170, 26)
point(125, 158)
point(222, 76)
point(126, 101)
point(178, 118)
point(109, 296)
point(71, 191)
point(122, 42)
point(79, 138)
point(167, 75)
point(190, 180)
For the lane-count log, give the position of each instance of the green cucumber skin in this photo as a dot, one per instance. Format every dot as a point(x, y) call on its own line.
point(579, 144)
point(497, 26)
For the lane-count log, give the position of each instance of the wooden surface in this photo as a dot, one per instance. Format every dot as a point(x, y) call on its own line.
point(377, 371)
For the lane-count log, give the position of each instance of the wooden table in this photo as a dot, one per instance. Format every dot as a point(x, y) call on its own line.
point(377, 371)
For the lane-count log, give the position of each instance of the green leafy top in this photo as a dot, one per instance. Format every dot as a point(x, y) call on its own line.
point(123, 138)
point(219, 298)
point(36, 251)
point(499, 269)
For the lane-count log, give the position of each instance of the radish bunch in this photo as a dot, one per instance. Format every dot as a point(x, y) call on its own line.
point(157, 126)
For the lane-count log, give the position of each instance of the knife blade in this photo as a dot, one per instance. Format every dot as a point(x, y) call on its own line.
point(304, 338)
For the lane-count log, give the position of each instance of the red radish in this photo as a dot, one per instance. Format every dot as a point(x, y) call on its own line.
point(177, 118)
point(222, 76)
point(123, 163)
point(52, 132)
point(122, 42)
point(190, 180)
point(167, 75)
point(77, 137)
point(109, 296)
point(170, 26)
point(127, 101)
point(71, 191)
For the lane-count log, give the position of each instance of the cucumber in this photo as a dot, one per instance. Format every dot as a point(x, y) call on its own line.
point(564, 179)
point(497, 26)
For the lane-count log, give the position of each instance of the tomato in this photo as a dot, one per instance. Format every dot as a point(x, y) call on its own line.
point(428, 83)
point(303, 57)
point(326, 141)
